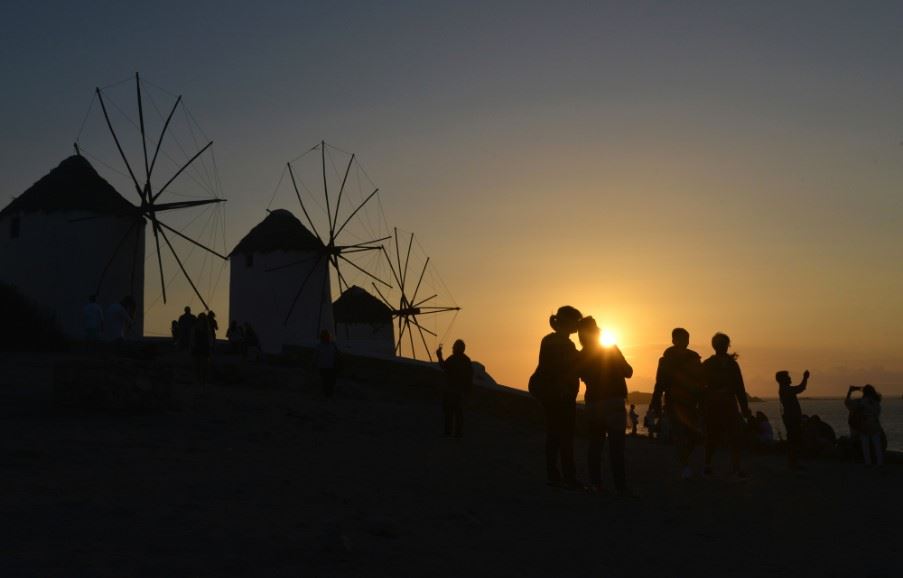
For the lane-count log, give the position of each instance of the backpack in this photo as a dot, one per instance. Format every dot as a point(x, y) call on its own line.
point(539, 386)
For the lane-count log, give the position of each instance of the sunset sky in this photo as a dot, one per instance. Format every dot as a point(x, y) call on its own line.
point(721, 166)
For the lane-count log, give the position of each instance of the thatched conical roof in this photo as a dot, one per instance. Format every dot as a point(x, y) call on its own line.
point(73, 185)
point(280, 231)
point(356, 305)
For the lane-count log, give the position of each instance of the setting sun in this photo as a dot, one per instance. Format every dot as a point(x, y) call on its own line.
point(608, 338)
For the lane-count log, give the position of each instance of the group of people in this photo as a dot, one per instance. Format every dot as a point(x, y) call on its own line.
point(111, 325)
point(196, 335)
point(702, 402)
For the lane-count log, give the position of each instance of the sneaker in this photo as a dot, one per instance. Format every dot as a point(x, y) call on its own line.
point(687, 473)
point(598, 489)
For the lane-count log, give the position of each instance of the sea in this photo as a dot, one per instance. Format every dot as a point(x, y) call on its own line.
point(831, 411)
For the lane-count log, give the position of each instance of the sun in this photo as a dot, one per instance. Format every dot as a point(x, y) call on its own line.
point(608, 338)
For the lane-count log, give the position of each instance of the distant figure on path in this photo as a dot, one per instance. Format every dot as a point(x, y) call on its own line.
point(724, 392)
point(250, 343)
point(555, 384)
point(634, 419)
point(326, 358)
point(214, 326)
point(459, 381)
point(93, 315)
point(201, 349)
point(174, 331)
point(791, 412)
point(679, 381)
point(118, 320)
point(604, 371)
point(235, 335)
point(186, 329)
point(865, 414)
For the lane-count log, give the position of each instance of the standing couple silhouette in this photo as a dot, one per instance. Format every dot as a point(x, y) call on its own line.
point(556, 383)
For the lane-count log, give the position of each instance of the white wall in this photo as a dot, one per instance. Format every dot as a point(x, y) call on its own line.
point(263, 298)
point(366, 339)
point(58, 263)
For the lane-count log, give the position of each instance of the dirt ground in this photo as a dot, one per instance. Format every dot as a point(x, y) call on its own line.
point(242, 481)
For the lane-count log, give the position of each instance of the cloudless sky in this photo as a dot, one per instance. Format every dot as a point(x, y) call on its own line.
point(733, 166)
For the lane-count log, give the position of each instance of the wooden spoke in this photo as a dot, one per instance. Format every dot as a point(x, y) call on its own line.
point(301, 289)
point(338, 202)
point(190, 240)
point(303, 209)
point(365, 272)
point(179, 172)
point(353, 213)
point(184, 272)
point(150, 171)
point(106, 117)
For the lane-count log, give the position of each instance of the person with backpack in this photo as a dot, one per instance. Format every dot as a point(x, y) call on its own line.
point(605, 372)
point(459, 381)
point(555, 385)
point(792, 413)
point(724, 393)
point(678, 386)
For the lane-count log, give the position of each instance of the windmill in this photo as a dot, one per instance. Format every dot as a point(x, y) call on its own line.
point(199, 166)
point(346, 232)
point(412, 305)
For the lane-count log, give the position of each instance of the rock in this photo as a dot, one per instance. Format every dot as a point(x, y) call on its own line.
point(112, 385)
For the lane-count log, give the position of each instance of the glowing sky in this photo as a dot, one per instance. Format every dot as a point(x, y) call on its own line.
point(720, 166)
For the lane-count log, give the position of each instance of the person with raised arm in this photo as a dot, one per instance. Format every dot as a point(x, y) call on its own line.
point(791, 412)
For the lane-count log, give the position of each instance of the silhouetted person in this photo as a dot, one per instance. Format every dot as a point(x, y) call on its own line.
point(764, 431)
point(93, 316)
point(604, 371)
point(118, 321)
point(250, 343)
point(186, 329)
point(791, 412)
point(174, 331)
point(867, 412)
point(679, 381)
point(724, 394)
point(214, 326)
point(650, 425)
point(634, 419)
point(459, 381)
point(555, 384)
point(201, 348)
point(235, 335)
point(326, 358)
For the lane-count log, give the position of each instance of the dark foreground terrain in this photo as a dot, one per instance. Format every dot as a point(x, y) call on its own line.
point(275, 481)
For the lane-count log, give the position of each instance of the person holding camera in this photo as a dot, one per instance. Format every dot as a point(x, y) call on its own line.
point(864, 420)
point(791, 412)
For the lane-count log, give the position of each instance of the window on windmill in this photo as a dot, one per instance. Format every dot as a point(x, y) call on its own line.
point(15, 227)
point(249, 259)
